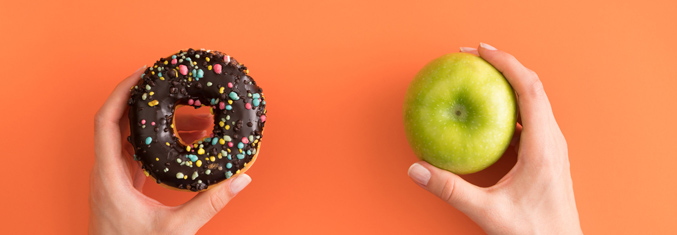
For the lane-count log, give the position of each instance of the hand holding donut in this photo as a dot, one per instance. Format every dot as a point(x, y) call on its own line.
point(117, 204)
point(536, 196)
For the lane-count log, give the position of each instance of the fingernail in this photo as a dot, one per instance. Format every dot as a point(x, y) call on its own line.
point(142, 67)
point(239, 183)
point(467, 49)
point(419, 174)
point(487, 46)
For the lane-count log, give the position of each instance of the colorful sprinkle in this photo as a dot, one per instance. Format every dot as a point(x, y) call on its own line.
point(209, 83)
point(215, 140)
point(179, 175)
point(143, 121)
point(153, 103)
point(221, 90)
point(248, 106)
point(222, 105)
point(230, 144)
point(201, 151)
point(240, 145)
point(256, 102)
point(229, 165)
point(228, 107)
point(152, 123)
point(217, 68)
point(230, 85)
point(197, 103)
point(256, 96)
point(208, 171)
point(183, 69)
point(173, 61)
point(233, 95)
point(191, 102)
point(194, 175)
point(227, 138)
point(228, 174)
point(198, 163)
point(240, 156)
point(149, 140)
point(245, 140)
point(263, 118)
point(192, 157)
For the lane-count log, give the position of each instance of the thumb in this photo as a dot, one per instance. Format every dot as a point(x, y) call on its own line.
point(205, 205)
point(466, 197)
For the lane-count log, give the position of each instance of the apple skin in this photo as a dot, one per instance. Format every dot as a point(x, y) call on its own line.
point(459, 113)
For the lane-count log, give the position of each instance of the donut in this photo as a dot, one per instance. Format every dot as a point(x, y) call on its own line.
point(196, 78)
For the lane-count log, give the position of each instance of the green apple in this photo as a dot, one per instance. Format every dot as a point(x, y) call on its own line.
point(459, 113)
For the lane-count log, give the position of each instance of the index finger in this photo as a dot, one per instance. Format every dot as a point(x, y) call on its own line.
point(533, 104)
point(106, 123)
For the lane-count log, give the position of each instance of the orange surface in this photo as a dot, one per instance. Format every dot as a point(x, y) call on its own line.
point(335, 73)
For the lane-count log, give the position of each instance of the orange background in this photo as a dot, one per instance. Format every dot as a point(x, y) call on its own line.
point(334, 74)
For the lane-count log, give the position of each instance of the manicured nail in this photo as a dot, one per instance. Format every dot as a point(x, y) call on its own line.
point(239, 183)
point(419, 174)
point(142, 67)
point(487, 46)
point(467, 49)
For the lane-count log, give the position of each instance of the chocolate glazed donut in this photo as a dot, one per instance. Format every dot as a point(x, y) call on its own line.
point(197, 78)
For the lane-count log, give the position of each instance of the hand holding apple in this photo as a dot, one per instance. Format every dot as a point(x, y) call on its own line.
point(537, 195)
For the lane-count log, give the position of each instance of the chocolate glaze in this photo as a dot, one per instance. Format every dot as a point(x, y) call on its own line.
point(165, 157)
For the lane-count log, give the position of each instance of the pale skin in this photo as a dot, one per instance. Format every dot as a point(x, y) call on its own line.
point(536, 196)
point(116, 199)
